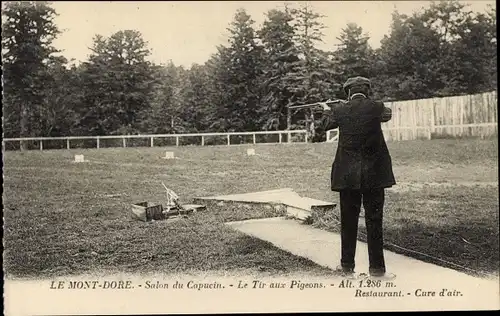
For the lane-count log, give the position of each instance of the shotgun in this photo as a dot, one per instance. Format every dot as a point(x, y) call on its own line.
point(311, 105)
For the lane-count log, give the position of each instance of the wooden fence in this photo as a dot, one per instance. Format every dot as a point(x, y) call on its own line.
point(159, 140)
point(459, 116)
point(447, 117)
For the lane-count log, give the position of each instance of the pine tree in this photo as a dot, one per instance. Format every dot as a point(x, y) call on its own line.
point(219, 76)
point(314, 73)
point(443, 50)
point(196, 97)
point(162, 115)
point(409, 66)
point(28, 31)
point(242, 68)
point(354, 56)
point(281, 58)
point(118, 84)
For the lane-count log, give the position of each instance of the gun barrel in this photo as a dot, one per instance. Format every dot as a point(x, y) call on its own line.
point(310, 105)
point(304, 106)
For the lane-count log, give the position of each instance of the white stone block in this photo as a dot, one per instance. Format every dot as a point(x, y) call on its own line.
point(169, 155)
point(79, 158)
point(251, 151)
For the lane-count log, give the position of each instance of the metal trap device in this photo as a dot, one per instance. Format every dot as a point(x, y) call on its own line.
point(152, 211)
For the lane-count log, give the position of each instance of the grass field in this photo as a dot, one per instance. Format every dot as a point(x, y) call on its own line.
point(64, 218)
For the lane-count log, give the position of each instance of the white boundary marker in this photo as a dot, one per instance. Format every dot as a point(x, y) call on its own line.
point(169, 155)
point(80, 158)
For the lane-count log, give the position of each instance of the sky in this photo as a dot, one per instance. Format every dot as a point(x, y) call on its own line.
point(187, 32)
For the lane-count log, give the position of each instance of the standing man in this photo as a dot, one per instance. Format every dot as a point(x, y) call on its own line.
point(361, 170)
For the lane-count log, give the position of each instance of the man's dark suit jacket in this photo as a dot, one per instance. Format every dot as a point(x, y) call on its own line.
point(362, 160)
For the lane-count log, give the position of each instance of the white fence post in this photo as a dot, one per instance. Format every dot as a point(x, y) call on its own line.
point(176, 140)
point(124, 142)
point(152, 144)
point(202, 140)
point(280, 138)
point(41, 144)
point(254, 139)
point(98, 143)
point(67, 143)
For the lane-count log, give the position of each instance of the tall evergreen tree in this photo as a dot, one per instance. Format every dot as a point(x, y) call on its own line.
point(471, 42)
point(409, 64)
point(63, 95)
point(162, 116)
point(28, 31)
point(443, 50)
point(315, 72)
point(281, 60)
point(243, 63)
point(219, 76)
point(354, 56)
point(118, 83)
point(196, 97)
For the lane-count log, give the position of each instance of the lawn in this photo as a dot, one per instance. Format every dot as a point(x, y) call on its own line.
point(65, 218)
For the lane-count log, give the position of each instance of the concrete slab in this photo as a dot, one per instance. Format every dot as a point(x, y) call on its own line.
point(262, 196)
point(323, 248)
point(297, 206)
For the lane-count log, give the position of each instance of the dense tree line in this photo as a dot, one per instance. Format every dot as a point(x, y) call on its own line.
point(247, 85)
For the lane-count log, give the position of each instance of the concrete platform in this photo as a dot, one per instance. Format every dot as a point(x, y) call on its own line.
point(258, 197)
point(297, 206)
point(323, 248)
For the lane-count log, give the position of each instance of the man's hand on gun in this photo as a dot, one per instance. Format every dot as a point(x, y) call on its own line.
point(325, 106)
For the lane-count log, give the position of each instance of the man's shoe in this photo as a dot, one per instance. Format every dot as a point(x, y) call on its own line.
point(379, 273)
point(382, 276)
point(345, 272)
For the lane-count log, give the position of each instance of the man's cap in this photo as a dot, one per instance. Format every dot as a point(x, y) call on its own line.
point(356, 81)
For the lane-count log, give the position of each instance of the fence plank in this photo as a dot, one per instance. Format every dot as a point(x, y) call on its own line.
point(462, 106)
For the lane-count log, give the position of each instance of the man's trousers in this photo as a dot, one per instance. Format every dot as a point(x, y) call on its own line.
point(350, 207)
